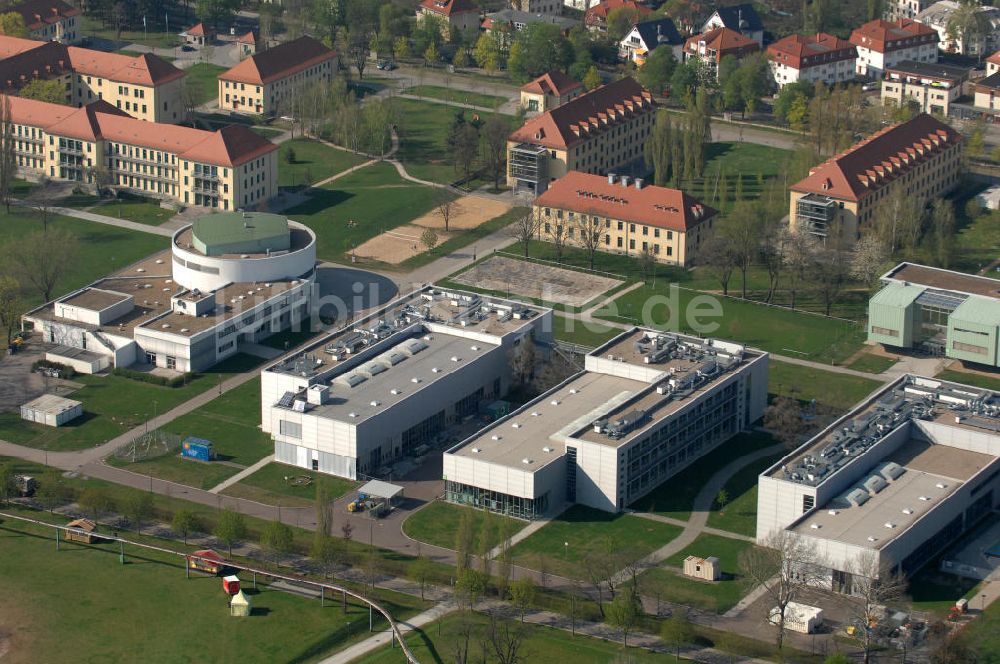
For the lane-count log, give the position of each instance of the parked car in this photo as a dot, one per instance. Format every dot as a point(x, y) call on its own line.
point(386, 65)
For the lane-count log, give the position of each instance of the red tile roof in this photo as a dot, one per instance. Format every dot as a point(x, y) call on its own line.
point(878, 159)
point(800, 51)
point(449, 7)
point(552, 83)
point(651, 206)
point(600, 11)
point(200, 30)
point(279, 62)
point(586, 115)
point(884, 36)
point(248, 38)
point(995, 58)
point(723, 41)
point(230, 146)
point(13, 45)
point(39, 13)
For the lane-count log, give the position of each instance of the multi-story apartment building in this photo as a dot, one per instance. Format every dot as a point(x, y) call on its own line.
point(920, 157)
point(548, 91)
point(884, 44)
point(265, 82)
point(710, 47)
point(993, 64)
point(810, 59)
point(743, 19)
point(897, 9)
point(459, 14)
point(930, 87)
point(602, 130)
point(647, 36)
point(646, 406)
point(938, 16)
point(508, 22)
point(145, 86)
point(227, 169)
point(596, 16)
point(538, 6)
point(615, 214)
point(986, 93)
point(50, 20)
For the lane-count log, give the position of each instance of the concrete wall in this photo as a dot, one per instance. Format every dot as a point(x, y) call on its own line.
point(979, 340)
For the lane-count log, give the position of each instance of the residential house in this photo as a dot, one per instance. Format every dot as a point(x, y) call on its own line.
point(510, 21)
point(931, 88)
point(743, 19)
point(709, 48)
point(199, 35)
point(644, 37)
point(884, 44)
point(538, 6)
point(459, 14)
point(247, 45)
point(938, 15)
point(993, 64)
point(548, 91)
point(596, 17)
point(810, 59)
point(50, 20)
point(986, 93)
point(897, 9)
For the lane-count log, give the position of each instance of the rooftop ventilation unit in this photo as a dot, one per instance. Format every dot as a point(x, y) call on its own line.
point(374, 404)
point(475, 450)
point(394, 391)
point(494, 437)
point(874, 484)
point(435, 370)
point(546, 449)
point(352, 379)
point(858, 497)
point(526, 461)
point(907, 511)
point(889, 524)
point(414, 380)
point(815, 526)
point(941, 485)
point(892, 471)
point(924, 498)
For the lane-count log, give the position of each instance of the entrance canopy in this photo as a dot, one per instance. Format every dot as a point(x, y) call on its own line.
point(380, 489)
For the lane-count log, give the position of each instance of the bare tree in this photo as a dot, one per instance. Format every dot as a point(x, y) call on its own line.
point(8, 160)
point(556, 232)
point(784, 419)
point(719, 256)
point(11, 305)
point(506, 640)
point(875, 584)
point(447, 206)
point(774, 238)
point(783, 567)
point(42, 258)
point(358, 50)
point(495, 131)
point(590, 233)
point(829, 274)
point(524, 228)
point(799, 249)
point(742, 228)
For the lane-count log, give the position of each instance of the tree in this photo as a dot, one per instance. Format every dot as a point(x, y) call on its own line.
point(12, 25)
point(137, 508)
point(276, 540)
point(464, 536)
point(722, 499)
point(783, 567)
point(590, 233)
point(420, 570)
point(875, 586)
point(622, 613)
point(788, 96)
point(684, 79)
point(943, 230)
point(837, 658)
point(431, 54)
point(495, 131)
point(954, 648)
point(11, 305)
point(325, 551)
point(677, 631)
point(719, 255)
point(8, 156)
point(184, 523)
point(231, 528)
point(869, 257)
point(655, 73)
point(52, 490)
point(41, 258)
point(538, 48)
point(96, 501)
point(658, 148)
point(592, 79)
point(461, 58)
point(470, 587)
point(487, 52)
point(968, 25)
point(429, 238)
point(829, 271)
point(524, 228)
point(620, 21)
point(8, 488)
point(464, 147)
point(119, 16)
point(522, 593)
point(50, 91)
point(784, 419)
point(742, 228)
point(557, 233)
point(505, 640)
point(290, 156)
point(401, 47)
point(213, 12)
point(346, 530)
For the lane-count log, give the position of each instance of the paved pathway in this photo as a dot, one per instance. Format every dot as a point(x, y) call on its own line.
point(383, 638)
point(246, 472)
point(99, 218)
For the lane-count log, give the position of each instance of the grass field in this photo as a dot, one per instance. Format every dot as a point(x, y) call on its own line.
point(437, 524)
point(740, 514)
point(871, 363)
point(374, 199)
point(457, 96)
point(134, 208)
point(291, 338)
point(128, 52)
point(675, 497)
point(776, 330)
point(718, 596)
point(978, 380)
point(434, 644)
point(462, 239)
point(269, 486)
point(569, 540)
point(313, 161)
point(839, 391)
point(92, 27)
point(202, 80)
point(750, 162)
point(82, 596)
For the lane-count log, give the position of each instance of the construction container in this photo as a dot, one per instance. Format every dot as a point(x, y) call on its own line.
point(197, 448)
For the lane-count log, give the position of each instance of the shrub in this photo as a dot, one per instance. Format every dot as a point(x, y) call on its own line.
point(163, 381)
point(65, 371)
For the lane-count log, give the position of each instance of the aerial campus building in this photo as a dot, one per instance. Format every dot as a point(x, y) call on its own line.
point(646, 405)
point(937, 311)
point(901, 476)
point(383, 389)
point(226, 279)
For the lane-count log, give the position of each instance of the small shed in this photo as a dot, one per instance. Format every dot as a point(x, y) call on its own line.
point(199, 34)
point(198, 449)
point(51, 410)
point(206, 560)
point(239, 605)
point(231, 584)
point(247, 44)
point(706, 569)
point(84, 530)
point(799, 617)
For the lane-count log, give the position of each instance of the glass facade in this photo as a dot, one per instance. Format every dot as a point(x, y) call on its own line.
point(515, 506)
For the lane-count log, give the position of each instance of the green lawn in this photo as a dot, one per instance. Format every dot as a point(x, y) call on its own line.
point(134, 208)
point(675, 497)
point(719, 596)
point(202, 80)
point(839, 391)
point(740, 514)
point(268, 485)
point(153, 37)
point(435, 643)
point(776, 330)
point(82, 596)
point(268, 133)
point(374, 199)
point(871, 363)
point(984, 634)
point(291, 338)
point(457, 96)
point(313, 161)
point(747, 161)
point(977, 380)
point(437, 524)
point(591, 533)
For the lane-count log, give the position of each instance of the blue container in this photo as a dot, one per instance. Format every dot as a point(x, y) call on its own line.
point(197, 448)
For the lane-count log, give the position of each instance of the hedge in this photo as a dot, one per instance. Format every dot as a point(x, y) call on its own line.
point(163, 381)
point(65, 371)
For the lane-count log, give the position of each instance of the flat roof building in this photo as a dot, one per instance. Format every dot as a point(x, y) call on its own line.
point(646, 405)
point(372, 394)
point(902, 475)
point(184, 309)
point(929, 87)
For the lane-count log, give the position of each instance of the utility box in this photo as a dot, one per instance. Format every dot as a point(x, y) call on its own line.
point(706, 569)
point(198, 448)
point(799, 617)
point(231, 584)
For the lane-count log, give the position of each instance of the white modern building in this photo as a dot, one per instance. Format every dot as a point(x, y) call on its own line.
point(227, 279)
point(386, 388)
point(646, 406)
point(902, 475)
point(646, 37)
point(938, 15)
point(810, 59)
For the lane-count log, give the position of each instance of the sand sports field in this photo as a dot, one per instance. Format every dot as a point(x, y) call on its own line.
point(543, 282)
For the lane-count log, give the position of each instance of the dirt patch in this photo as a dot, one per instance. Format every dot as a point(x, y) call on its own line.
point(397, 245)
point(467, 212)
point(544, 282)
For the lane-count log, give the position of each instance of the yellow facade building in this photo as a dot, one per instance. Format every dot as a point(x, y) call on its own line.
point(265, 82)
point(50, 20)
point(921, 157)
point(597, 132)
point(618, 215)
point(229, 169)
